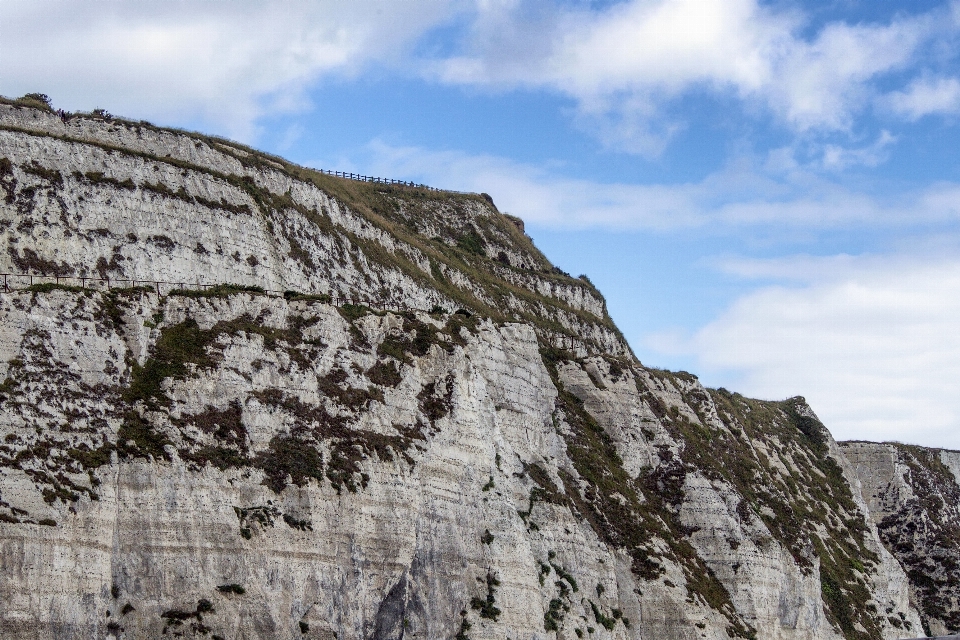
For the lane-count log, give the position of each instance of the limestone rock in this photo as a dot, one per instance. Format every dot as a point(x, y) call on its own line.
point(243, 399)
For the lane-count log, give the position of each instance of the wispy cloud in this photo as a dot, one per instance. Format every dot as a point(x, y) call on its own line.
point(838, 158)
point(925, 96)
point(740, 195)
point(870, 341)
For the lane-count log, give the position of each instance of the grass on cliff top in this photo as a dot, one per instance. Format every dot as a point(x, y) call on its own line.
point(376, 203)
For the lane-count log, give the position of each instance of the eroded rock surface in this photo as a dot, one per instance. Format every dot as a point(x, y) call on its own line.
point(914, 499)
point(468, 451)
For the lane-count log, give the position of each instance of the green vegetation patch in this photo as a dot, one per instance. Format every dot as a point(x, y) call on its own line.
point(290, 457)
point(385, 374)
point(487, 606)
point(178, 345)
point(231, 588)
point(34, 101)
point(47, 287)
point(348, 447)
point(217, 291)
point(628, 514)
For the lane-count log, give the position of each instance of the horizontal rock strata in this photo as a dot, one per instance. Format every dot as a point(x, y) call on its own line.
point(467, 450)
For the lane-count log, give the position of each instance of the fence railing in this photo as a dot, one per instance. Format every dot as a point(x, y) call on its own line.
point(377, 180)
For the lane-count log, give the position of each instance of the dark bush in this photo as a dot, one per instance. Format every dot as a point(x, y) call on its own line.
point(385, 374)
point(231, 588)
point(293, 457)
point(36, 100)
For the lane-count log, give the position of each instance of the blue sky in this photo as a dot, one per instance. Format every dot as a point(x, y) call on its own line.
point(767, 192)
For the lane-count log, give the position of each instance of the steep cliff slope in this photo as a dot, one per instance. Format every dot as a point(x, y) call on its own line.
point(432, 434)
point(914, 498)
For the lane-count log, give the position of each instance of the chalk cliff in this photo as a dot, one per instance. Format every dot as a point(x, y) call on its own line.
point(914, 498)
point(311, 407)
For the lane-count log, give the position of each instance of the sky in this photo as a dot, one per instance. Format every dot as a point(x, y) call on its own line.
point(767, 193)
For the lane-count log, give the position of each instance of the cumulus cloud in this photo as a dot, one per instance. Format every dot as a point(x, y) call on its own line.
point(870, 341)
point(825, 82)
point(925, 96)
point(621, 63)
point(665, 43)
point(226, 63)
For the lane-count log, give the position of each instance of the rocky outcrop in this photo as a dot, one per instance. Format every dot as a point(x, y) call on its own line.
point(914, 498)
point(391, 417)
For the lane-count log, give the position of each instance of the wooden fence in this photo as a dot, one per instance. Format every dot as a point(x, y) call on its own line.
point(377, 180)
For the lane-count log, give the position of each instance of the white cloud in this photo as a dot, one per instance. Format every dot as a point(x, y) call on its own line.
point(925, 96)
point(825, 82)
point(626, 62)
point(740, 195)
point(836, 157)
point(591, 54)
point(871, 342)
point(537, 196)
point(226, 63)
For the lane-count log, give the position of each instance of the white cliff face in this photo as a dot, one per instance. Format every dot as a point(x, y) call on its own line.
point(105, 199)
point(240, 465)
point(431, 515)
point(913, 495)
point(776, 589)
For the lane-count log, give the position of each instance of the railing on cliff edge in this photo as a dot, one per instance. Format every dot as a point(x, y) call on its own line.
point(377, 180)
point(102, 113)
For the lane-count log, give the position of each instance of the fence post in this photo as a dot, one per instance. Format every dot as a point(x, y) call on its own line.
point(5, 287)
point(158, 288)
